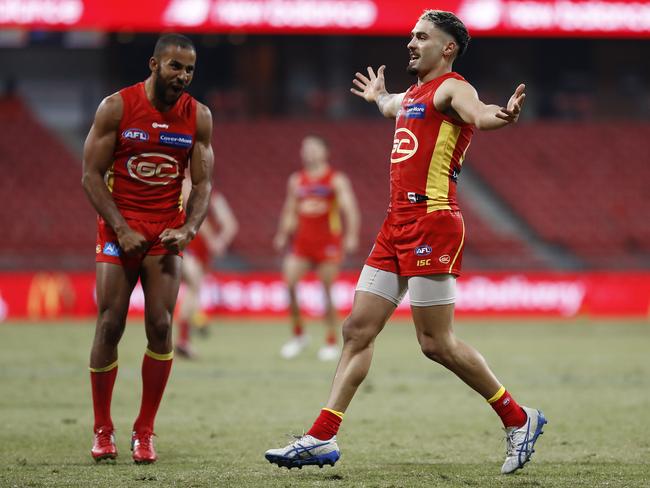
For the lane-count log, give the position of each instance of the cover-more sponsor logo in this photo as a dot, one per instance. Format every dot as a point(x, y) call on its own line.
point(175, 140)
point(135, 134)
point(415, 111)
point(405, 144)
point(153, 168)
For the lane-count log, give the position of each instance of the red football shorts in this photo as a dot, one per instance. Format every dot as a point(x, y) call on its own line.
point(433, 244)
point(317, 250)
point(108, 248)
point(199, 249)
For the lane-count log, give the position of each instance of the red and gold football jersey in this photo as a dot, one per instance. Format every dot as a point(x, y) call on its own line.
point(153, 149)
point(318, 211)
point(428, 152)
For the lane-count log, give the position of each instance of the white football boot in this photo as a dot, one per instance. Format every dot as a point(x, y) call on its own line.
point(520, 441)
point(305, 451)
point(294, 346)
point(328, 352)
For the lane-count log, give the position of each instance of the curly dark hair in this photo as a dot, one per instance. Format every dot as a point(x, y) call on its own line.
point(452, 25)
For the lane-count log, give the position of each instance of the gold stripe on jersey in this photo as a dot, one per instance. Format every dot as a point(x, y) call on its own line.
point(440, 166)
point(335, 218)
point(110, 178)
point(462, 243)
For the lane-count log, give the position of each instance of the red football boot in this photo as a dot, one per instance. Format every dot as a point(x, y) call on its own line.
point(142, 447)
point(104, 444)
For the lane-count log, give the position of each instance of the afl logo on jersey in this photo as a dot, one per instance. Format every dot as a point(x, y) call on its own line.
point(405, 145)
point(153, 168)
point(135, 134)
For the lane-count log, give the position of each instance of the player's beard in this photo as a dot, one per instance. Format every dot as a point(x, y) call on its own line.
point(160, 90)
point(411, 71)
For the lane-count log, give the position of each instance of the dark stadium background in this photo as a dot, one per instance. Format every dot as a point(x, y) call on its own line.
point(565, 191)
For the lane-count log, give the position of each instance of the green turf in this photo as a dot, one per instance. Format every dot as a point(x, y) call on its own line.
point(412, 423)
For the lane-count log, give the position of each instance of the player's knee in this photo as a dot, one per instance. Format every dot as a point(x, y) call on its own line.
point(159, 330)
point(109, 329)
point(356, 332)
point(440, 351)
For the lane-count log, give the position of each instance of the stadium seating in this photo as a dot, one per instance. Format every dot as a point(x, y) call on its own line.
point(45, 217)
point(582, 187)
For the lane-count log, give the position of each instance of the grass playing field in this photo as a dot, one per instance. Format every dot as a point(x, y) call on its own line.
point(412, 423)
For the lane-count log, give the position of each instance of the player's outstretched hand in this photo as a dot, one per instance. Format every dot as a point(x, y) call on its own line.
point(511, 113)
point(175, 239)
point(371, 86)
point(131, 242)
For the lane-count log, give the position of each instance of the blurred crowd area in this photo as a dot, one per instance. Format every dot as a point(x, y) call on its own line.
point(567, 189)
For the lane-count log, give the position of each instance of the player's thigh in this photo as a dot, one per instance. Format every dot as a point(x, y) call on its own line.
point(192, 271)
point(368, 317)
point(378, 293)
point(114, 286)
point(432, 305)
point(294, 268)
point(327, 272)
point(161, 277)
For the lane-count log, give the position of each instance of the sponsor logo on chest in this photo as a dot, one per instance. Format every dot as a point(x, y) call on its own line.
point(415, 111)
point(175, 139)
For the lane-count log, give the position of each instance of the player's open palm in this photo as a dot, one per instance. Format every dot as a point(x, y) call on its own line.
point(511, 112)
point(132, 242)
point(371, 86)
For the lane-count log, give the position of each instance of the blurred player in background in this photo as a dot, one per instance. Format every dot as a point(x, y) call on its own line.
point(316, 197)
point(215, 235)
point(142, 140)
point(419, 247)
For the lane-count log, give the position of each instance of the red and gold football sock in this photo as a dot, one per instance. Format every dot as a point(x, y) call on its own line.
point(102, 381)
point(155, 372)
point(511, 414)
point(326, 425)
point(183, 332)
point(330, 337)
point(298, 330)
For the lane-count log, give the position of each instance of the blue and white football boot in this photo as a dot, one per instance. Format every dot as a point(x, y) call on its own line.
point(520, 441)
point(305, 451)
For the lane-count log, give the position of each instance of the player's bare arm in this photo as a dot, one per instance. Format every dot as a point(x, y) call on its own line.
point(228, 225)
point(289, 216)
point(372, 88)
point(97, 159)
point(460, 99)
point(350, 210)
point(201, 166)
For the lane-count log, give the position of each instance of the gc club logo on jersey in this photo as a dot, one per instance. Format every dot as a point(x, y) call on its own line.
point(175, 140)
point(415, 111)
point(153, 168)
point(405, 144)
point(135, 135)
point(444, 259)
point(112, 249)
point(423, 250)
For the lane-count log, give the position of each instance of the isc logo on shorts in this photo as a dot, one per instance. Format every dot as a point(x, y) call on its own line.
point(423, 250)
